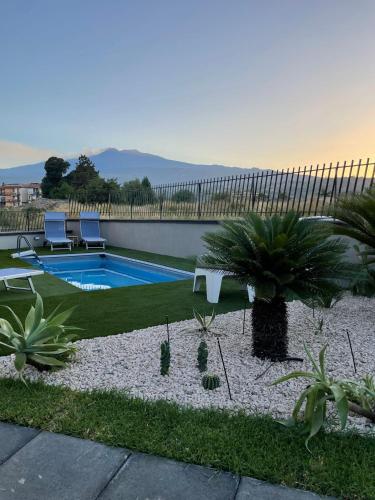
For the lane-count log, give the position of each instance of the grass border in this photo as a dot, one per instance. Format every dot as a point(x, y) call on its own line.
point(340, 464)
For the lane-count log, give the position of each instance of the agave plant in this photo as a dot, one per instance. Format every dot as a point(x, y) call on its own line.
point(282, 258)
point(344, 394)
point(41, 342)
point(204, 321)
point(204, 325)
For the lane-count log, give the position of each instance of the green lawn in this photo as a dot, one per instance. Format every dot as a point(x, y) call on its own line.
point(107, 312)
point(342, 466)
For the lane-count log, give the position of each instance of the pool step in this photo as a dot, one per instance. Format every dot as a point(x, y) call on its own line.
point(25, 253)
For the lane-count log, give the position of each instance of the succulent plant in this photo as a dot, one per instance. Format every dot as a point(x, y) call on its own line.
point(202, 356)
point(346, 395)
point(210, 382)
point(204, 321)
point(42, 342)
point(165, 357)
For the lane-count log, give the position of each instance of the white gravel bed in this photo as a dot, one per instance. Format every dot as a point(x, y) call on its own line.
point(131, 361)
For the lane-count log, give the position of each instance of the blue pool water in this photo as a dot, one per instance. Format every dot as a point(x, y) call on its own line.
point(102, 271)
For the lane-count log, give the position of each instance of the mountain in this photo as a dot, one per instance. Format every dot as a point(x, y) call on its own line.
point(128, 164)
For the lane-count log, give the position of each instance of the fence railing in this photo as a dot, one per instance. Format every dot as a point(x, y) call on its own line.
point(20, 220)
point(308, 190)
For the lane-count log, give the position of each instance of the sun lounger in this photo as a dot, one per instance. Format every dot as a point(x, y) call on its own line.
point(15, 273)
point(55, 231)
point(90, 230)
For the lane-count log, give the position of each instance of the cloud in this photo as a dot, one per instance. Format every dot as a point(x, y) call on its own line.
point(14, 153)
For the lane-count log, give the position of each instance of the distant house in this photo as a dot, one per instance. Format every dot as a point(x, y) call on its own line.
point(17, 195)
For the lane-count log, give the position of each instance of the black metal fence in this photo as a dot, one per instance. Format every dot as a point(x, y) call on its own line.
point(308, 190)
point(20, 220)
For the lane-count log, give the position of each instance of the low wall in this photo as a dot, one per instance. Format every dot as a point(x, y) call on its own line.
point(176, 238)
point(9, 240)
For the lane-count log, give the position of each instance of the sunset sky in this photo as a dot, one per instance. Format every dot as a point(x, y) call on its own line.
point(268, 83)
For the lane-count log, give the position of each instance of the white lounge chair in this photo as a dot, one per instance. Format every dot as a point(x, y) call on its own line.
point(55, 230)
point(90, 230)
point(15, 273)
point(213, 283)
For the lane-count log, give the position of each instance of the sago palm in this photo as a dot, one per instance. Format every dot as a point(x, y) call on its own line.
point(357, 212)
point(282, 258)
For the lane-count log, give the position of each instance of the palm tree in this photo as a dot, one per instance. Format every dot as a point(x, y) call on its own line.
point(358, 214)
point(355, 218)
point(282, 258)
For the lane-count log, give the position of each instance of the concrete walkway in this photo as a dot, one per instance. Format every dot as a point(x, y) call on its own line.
point(38, 465)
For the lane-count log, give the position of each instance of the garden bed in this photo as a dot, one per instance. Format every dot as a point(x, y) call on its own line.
point(131, 361)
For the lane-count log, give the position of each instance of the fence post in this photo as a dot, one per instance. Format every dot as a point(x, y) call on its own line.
point(28, 220)
point(131, 208)
point(160, 205)
point(199, 200)
point(109, 205)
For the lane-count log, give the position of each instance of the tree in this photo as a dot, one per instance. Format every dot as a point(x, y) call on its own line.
point(147, 191)
point(183, 195)
point(98, 189)
point(55, 169)
point(136, 192)
point(282, 258)
point(62, 192)
point(84, 172)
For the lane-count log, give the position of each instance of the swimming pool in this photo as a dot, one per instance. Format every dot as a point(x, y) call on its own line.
point(101, 271)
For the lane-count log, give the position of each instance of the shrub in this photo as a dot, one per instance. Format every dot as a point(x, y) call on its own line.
point(41, 342)
point(183, 195)
point(220, 196)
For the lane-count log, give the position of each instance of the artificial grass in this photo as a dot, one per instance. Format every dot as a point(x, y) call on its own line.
point(340, 465)
point(108, 312)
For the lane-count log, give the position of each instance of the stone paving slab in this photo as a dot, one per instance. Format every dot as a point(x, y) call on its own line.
point(58, 467)
point(151, 477)
point(45, 466)
point(253, 489)
point(12, 438)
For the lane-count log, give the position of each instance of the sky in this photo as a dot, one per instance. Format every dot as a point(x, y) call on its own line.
point(267, 83)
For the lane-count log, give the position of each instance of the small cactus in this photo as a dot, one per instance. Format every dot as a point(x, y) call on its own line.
point(165, 357)
point(202, 356)
point(210, 382)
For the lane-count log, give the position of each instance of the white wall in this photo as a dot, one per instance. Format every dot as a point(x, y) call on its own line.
point(176, 238)
point(9, 240)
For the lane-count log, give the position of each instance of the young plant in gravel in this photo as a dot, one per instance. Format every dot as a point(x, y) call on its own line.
point(202, 356)
point(205, 322)
point(210, 382)
point(42, 342)
point(165, 357)
point(282, 258)
point(323, 389)
point(204, 330)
